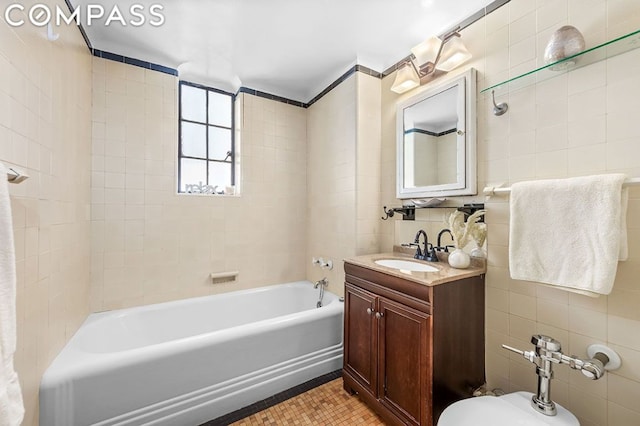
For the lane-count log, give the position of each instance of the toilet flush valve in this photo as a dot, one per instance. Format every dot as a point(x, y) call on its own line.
point(548, 352)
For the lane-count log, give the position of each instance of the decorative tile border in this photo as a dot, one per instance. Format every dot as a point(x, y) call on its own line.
point(118, 58)
point(272, 97)
point(274, 400)
point(133, 61)
point(356, 68)
point(343, 77)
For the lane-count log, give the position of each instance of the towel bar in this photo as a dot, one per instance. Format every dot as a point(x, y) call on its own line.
point(14, 176)
point(495, 190)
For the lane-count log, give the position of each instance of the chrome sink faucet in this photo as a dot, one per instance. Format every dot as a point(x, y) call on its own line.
point(547, 353)
point(428, 254)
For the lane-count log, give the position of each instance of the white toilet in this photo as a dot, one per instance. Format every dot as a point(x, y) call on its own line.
point(513, 409)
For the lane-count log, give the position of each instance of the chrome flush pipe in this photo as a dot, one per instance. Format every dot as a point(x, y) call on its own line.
point(548, 352)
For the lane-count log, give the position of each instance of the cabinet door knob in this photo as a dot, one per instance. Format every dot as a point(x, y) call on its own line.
point(369, 311)
point(379, 315)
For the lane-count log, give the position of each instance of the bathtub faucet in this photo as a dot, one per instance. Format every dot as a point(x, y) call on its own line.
point(322, 284)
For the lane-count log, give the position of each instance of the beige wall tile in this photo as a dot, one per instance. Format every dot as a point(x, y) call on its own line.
point(497, 321)
point(522, 28)
point(587, 407)
point(630, 367)
point(588, 322)
point(140, 220)
point(624, 392)
point(551, 14)
point(497, 299)
point(521, 328)
point(570, 125)
point(51, 235)
point(552, 313)
point(624, 332)
point(619, 415)
point(522, 306)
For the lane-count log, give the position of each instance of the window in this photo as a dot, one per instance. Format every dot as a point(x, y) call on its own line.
point(206, 155)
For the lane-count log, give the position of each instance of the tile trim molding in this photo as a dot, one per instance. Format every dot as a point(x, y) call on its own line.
point(274, 400)
point(343, 77)
point(270, 96)
point(115, 57)
point(133, 61)
point(356, 68)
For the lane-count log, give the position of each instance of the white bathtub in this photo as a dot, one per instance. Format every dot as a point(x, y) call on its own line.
point(189, 361)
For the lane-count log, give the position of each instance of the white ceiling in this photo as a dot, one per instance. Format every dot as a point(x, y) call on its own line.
point(290, 48)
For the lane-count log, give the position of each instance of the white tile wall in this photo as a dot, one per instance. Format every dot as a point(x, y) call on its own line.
point(574, 124)
point(150, 244)
point(45, 90)
point(343, 164)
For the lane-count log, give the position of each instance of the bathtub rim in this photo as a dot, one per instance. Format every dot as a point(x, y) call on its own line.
point(72, 361)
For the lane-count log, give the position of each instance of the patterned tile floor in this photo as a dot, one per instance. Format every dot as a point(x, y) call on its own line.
point(325, 405)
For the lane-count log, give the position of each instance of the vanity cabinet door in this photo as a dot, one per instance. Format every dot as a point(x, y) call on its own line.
point(360, 336)
point(404, 361)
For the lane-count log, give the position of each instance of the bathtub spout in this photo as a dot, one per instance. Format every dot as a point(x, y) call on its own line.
point(322, 284)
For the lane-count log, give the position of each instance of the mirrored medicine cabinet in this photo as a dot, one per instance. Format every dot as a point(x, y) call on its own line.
point(436, 140)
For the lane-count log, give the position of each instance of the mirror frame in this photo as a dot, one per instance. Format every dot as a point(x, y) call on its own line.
point(466, 160)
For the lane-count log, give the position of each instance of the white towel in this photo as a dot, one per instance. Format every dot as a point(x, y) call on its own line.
point(569, 232)
point(11, 406)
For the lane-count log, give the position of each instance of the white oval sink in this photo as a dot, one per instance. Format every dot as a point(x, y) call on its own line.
point(405, 265)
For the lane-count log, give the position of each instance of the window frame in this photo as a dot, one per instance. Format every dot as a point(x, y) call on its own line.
point(207, 124)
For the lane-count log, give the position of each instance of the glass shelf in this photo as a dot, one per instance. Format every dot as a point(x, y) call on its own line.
point(595, 54)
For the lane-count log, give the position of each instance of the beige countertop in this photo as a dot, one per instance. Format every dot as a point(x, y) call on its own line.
point(444, 274)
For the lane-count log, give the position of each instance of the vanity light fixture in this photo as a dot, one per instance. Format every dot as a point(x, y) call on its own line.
point(454, 53)
point(432, 55)
point(426, 54)
point(406, 78)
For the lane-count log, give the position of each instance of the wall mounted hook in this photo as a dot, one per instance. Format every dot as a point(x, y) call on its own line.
point(50, 35)
point(408, 212)
point(498, 109)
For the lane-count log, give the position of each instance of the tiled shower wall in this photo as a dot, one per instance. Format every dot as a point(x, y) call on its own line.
point(368, 169)
point(343, 176)
point(580, 123)
point(45, 93)
point(150, 244)
point(331, 184)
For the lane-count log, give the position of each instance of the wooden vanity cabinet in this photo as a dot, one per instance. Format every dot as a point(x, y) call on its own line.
point(410, 350)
